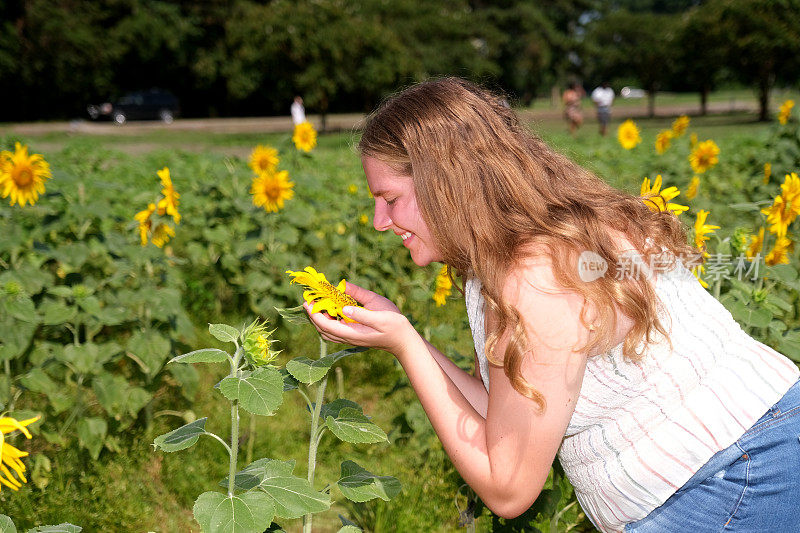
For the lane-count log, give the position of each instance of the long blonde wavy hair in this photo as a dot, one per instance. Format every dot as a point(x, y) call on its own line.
point(488, 189)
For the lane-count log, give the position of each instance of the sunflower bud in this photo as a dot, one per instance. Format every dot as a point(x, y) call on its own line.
point(740, 240)
point(80, 291)
point(12, 288)
point(257, 344)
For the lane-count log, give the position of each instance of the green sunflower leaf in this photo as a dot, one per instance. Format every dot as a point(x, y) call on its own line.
point(241, 513)
point(181, 438)
point(206, 355)
point(351, 425)
point(224, 332)
point(65, 527)
point(259, 393)
point(360, 485)
point(308, 370)
point(292, 496)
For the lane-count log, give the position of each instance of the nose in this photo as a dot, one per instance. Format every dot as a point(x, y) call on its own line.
point(381, 220)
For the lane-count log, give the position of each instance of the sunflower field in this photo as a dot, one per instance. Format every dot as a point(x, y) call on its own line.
point(113, 263)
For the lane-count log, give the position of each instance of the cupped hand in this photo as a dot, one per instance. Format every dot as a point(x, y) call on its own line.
point(378, 324)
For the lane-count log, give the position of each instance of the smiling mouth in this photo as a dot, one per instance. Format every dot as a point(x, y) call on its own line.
point(406, 235)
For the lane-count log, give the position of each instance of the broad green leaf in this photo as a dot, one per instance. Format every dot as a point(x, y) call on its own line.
point(785, 273)
point(347, 352)
point(60, 290)
point(7, 525)
point(309, 370)
point(289, 382)
point(759, 318)
point(57, 313)
point(21, 307)
point(333, 408)
point(293, 496)
point(118, 397)
point(90, 304)
point(791, 349)
point(15, 336)
point(85, 358)
point(293, 315)
point(188, 379)
point(206, 355)
point(359, 485)
point(259, 393)
point(350, 529)
point(151, 349)
point(224, 332)
point(92, 434)
point(181, 438)
point(351, 425)
point(66, 527)
point(251, 512)
point(38, 381)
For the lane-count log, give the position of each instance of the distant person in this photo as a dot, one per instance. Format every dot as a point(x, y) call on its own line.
point(572, 107)
point(603, 97)
point(298, 111)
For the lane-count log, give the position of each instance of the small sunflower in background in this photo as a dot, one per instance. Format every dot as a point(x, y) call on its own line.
point(704, 156)
point(444, 286)
point(680, 125)
point(659, 201)
point(305, 136)
point(271, 190)
point(264, 159)
point(22, 176)
point(628, 134)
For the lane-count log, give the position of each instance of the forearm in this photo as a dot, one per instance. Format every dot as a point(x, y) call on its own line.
point(459, 425)
point(471, 387)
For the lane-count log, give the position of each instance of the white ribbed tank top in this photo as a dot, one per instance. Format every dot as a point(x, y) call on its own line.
point(641, 430)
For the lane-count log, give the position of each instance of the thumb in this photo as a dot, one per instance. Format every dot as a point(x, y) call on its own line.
point(359, 314)
point(360, 294)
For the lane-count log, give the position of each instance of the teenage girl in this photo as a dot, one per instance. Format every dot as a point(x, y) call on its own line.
point(665, 415)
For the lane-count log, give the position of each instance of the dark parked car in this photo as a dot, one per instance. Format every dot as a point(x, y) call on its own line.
point(152, 104)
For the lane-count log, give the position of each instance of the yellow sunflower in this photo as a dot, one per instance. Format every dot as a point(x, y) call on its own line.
point(698, 273)
point(169, 203)
point(628, 134)
point(756, 243)
point(9, 455)
point(659, 201)
point(694, 185)
point(785, 111)
point(321, 294)
point(704, 156)
point(143, 218)
point(162, 234)
point(271, 190)
point(702, 231)
point(767, 172)
point(780, 252)
point(444, 286)
point(264, 159)
point(363, 219)
point(662, 141)
point(305, 136)
point(785, 207)
point(22, 176)
point(680, 125)
point(352, 188)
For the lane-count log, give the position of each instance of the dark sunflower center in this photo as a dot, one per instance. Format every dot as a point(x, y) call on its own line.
point(23, 177)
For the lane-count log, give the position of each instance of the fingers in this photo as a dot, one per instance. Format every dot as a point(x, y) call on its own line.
point(361, 294)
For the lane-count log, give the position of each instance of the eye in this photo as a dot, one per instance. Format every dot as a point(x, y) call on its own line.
point(391, 202)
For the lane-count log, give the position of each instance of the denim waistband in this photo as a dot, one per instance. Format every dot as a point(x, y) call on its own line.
point(721, 459)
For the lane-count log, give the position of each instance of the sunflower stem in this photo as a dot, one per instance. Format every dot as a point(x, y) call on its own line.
point(7, 367)
point(314, 438)
point(234, 449)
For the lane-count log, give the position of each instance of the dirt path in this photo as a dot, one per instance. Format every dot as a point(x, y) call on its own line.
point(338, 122)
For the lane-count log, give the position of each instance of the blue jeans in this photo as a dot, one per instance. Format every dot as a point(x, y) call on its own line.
point(752, 486)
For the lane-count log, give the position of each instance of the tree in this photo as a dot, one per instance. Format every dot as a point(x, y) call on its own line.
point(633, 45)
point(762, 42)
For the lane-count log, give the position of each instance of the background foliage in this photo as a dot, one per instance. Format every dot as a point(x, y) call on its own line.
point(245, 57)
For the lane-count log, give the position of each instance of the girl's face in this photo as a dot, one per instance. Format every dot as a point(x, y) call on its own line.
point(396, 209)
